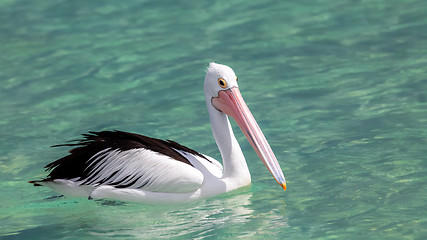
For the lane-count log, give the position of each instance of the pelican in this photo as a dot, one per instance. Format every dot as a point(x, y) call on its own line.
point(135, 168)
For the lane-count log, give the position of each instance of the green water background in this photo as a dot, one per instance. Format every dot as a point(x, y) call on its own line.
point(339, 88)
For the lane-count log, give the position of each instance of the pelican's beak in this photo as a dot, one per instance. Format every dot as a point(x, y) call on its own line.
point(230, 102)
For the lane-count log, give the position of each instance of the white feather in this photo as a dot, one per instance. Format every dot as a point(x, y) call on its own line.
point(153, 171)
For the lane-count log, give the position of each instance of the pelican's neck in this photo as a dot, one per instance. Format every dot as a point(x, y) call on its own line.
point(235, 167)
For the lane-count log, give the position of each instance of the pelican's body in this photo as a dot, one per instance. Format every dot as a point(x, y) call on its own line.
point(131, 167)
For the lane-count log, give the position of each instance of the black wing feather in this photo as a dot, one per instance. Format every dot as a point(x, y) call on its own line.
point(75, 165)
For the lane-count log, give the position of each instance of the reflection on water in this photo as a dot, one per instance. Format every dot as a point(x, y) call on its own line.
point(195, 220)
point(231, 214)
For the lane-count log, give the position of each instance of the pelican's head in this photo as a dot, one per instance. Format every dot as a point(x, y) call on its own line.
point(222, 89)
point(219, 77)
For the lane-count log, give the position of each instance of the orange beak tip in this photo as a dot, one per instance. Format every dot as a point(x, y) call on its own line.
point(283, 186)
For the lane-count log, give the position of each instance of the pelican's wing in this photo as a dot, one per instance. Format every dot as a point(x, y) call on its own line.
point(127, 160)
point(142, 169)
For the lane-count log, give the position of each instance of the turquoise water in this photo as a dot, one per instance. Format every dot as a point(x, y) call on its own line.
point(339, 88)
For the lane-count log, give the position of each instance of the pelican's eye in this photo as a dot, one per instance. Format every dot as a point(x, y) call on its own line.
point(237, 79)
point(222, 82)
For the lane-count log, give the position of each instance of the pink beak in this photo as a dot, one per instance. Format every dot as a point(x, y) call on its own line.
point(230, 102)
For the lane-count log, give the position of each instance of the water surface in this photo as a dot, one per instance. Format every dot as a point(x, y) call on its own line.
point(338, 87)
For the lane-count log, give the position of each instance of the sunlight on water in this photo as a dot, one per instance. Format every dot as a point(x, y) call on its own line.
point(339, 88)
